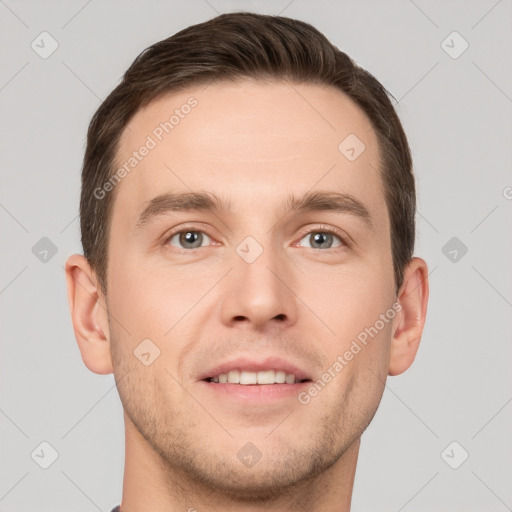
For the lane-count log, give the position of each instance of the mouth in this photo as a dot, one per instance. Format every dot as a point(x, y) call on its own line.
point(251, 378)
point(246, 381)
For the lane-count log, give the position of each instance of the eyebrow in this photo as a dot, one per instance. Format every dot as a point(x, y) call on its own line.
point(207, 201)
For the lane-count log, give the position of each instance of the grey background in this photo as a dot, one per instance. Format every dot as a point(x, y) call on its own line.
point(457, 114)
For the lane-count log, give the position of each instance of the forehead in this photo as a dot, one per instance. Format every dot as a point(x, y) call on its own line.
point(249, 141)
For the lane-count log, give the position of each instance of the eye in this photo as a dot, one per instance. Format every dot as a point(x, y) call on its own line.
point(323, 239)
point(188, 239)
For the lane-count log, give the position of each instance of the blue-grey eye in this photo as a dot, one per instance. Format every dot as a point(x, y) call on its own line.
point(189, 239)
point(322, 240)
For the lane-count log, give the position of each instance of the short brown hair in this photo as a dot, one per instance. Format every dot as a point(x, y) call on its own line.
point(236, 46)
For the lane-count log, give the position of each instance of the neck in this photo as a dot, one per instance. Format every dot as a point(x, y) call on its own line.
point(152, 484)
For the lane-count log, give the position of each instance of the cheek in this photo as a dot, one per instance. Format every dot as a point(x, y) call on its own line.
point(348, 301)
point(360, 369)
point(138, 311)
point(358, 309)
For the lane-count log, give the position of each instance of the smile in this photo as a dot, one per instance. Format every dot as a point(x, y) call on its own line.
point(246, 377)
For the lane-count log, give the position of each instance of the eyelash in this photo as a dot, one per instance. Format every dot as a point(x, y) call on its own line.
point(317, 229)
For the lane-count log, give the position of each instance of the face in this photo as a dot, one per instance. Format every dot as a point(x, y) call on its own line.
point(283, 274)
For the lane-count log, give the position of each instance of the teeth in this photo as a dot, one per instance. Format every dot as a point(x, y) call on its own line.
point(280, 377)
point(234, 377)
point(264, 377)
point(267, 377)
point(248, 377)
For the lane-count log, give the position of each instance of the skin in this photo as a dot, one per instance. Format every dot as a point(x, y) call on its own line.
point(254, 144)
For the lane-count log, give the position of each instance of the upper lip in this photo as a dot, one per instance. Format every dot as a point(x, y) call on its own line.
point(254, 364)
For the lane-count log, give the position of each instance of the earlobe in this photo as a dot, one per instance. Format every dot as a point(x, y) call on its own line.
point(407, 330)
point(88, 315)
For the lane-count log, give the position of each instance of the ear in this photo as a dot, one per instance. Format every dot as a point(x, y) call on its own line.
point(89, 315)
point(408, 326)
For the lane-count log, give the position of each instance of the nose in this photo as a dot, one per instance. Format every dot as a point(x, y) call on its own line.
point(260, 291)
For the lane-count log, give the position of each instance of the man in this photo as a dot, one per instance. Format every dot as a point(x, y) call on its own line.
point(247, 217)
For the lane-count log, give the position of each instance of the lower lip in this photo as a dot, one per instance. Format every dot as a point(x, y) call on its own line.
point(256, 393)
